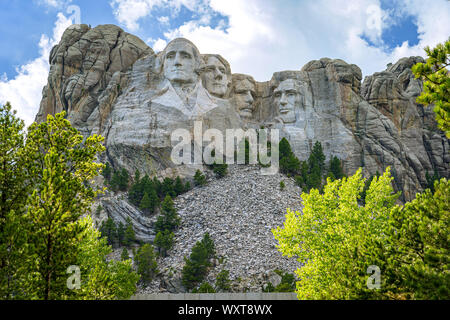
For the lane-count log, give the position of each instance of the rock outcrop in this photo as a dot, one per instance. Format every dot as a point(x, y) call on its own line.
point(112, 83)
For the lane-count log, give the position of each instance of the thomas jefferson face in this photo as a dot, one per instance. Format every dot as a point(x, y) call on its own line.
point(286, 97)
point(215, 77)
point(244, 93)
point(179, 62)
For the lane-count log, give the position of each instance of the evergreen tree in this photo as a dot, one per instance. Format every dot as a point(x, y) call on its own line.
point(223, 281)
point(220, 169)
point(158, 187)
point(195, 267)
point(129, 235)
point(178, 186)
point(146, 205)
point(284, 148)
point(436, 86)
point(115, 181)
point(107, 172)
point(431, 180)
point(336, 168)
point(145, 260)
point(208, 244)
point(109, 231)
point(187, 186)
point(57, 163)
point(164, 241)
point(168, 188)
point(169, 218)
point(282, 185)
point(123, 180)
point(120, 233)
point(124, 256)
point(199, 178)
point(317, 158)
point(205, 287)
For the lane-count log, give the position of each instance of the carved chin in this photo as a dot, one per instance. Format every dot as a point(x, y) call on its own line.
point(288, 117)
point(246, 112)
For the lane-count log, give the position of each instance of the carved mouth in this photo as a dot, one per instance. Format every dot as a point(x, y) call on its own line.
point(285, 110)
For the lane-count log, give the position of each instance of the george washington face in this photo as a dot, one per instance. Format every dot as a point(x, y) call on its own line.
point(180, 62)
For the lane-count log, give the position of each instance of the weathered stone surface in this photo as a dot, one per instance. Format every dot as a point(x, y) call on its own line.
point(111, 83)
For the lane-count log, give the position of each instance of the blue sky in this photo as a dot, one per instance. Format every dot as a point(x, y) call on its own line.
point(257, 37)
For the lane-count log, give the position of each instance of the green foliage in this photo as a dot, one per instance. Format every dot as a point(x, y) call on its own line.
point(416, 256)
point(220, 170)
point(101, 279)
point(129, 236)
point(124, 256)
point(145, 260)
point(436, 87)
point(282, 185)
point(106, 172)
point(164, 241)
point(205, 287)
point(334, 238)
point(431, 180)
point(196, 266)
point(199, 178)
point(178, 186)
point(108, 230)
point(208, 244)
point(119, 180)
point(168, 219)
point(336, 168)
point(223, 282)
point(187, 186)
point(45, 189)
point(168, 188)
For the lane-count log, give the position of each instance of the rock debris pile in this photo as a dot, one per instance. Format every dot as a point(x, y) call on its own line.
point(238, 211)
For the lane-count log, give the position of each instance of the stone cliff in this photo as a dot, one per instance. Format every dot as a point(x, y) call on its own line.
point(112, 83)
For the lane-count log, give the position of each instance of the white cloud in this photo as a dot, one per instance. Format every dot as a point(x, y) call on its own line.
point(54, 3)
point(25, 90)
point(164, 20)
point(128, 12)
point(265, 36)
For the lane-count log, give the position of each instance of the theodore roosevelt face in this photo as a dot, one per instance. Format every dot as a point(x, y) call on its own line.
point(286, 97)
point(215, 77)
point(180, 62)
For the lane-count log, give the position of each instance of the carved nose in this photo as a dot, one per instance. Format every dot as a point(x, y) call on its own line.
point(249, 97)
point(283, 100)
point(218, 76)
point(177, 61)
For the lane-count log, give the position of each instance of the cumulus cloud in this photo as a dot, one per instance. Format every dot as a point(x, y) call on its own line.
point(25, 90)
point(264, 36)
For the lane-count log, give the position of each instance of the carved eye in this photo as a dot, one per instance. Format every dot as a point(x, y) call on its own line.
point(170, 55)
point(186, 55)
point(222, 70)
point(277, 94)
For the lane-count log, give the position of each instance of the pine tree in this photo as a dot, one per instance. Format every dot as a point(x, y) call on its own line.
point(208, 244)
point(109, 231)
point(120, 233)
point(187, 186)
point(336, 168)
point(178, 187)
point(145, 260)
point(164, 241)
point(199, 178)
point(223, 281)
point(129, 236)
point(107, 172)
point(146, 205)
point(169, 218)
point(123, 180)
point(124, 256)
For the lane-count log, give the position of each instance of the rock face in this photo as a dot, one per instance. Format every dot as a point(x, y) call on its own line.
point(111, 83)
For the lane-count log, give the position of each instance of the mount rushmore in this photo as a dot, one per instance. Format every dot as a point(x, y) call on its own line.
point(111, 83)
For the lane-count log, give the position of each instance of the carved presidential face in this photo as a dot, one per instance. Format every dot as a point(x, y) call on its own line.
point(286, 96)
point(244, 97)
point(180, 62)
point(215, 77)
